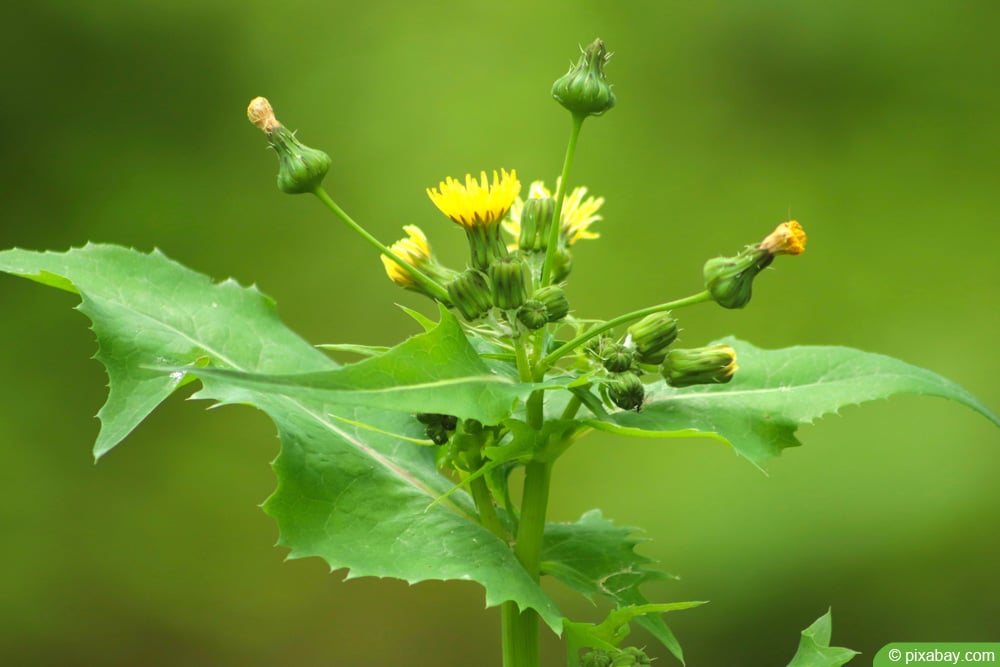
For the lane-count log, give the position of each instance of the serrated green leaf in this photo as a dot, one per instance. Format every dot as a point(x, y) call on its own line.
point(775, 391)
point(594, 557)
point(358, 498)
point(437, 371)
point(149, 311)
point(814, 646)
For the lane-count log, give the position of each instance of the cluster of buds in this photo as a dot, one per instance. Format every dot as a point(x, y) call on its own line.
point(645, 347)
point(631, 656)
point(438, 427)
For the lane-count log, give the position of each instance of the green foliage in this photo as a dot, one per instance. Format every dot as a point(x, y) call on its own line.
point(357, 484)
point(775, 391)
point(594, 557)
point(814, 646)
point(148, 313)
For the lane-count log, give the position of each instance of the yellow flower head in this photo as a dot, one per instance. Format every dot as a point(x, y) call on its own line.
point(788, 238)
point(477, 204)
point(577, 213)
point(414, 250)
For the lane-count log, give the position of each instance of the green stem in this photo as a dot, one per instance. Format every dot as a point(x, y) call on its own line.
point(572, 407)
point(555, 227)
point(427, 283)
point(520, 630)
point(548, 360)
point(521, 355)
point(484, 503)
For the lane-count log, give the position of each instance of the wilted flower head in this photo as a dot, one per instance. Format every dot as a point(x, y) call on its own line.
point(788, 238)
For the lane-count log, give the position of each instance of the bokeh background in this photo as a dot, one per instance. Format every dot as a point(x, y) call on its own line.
point(875, 124)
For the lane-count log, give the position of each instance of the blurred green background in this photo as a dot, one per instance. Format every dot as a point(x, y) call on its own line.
point(875, 124)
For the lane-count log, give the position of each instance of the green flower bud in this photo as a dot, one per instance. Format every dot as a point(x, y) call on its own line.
point(437, 433)
point(712, 364)
point(598, 346)
point(730, 279)
point(617, 358)
point(510, 277)
point(533, 314)
point(562, 264)
point(470, 294)
point(554, 299)
point(584, 90)
point(651, 335)
point(626, 391)
point(437, 426)
point(536, 216)
point(596, 658)
point(631, 656)
point(300, 168)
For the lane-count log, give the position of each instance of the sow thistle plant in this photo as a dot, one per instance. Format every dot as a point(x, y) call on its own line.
point(401, 464)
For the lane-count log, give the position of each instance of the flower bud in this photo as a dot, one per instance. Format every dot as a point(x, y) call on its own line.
point(701, 365)
point(415, 251)
point(437, 426)
point(584, 90)
point(300, 168)
point(596, 658)
point(617, 358)
point(651, 335)
point(533, 315)
point(510, 277)
point(631, 656)
point(562, 264)
point(470, 294)
point(626, 391)
point(554, 299)
point(730, 279)
point(598, 346)
point(536, 216)
point(437, 433)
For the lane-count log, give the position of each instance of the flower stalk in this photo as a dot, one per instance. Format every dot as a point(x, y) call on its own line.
point(551, 251)
point(431, 287)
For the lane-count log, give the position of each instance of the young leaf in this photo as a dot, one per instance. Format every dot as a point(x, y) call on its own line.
point(355, 497)
point(814, 646)
point(774, 391)
point(595, 557)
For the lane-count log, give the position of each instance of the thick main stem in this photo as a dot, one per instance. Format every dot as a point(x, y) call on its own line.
point(520, 629)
